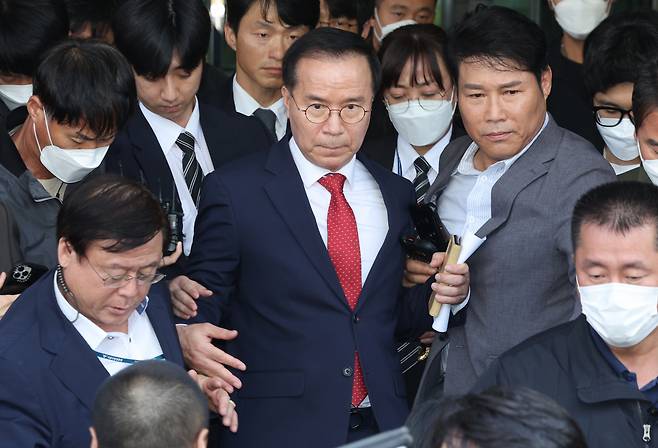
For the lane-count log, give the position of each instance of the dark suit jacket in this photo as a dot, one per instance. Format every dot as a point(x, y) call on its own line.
point(136, 153)
point(257, 233)
point(522, 276)
point(382, 149)
point(48, 373)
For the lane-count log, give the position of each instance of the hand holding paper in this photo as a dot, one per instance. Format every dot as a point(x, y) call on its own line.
point(469, 244)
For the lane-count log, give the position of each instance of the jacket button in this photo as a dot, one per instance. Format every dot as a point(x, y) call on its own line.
point(347, 371)
point(356, 319)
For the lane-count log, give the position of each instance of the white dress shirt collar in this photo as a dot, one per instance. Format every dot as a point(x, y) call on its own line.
point(407, 155)
point(311, 173)
point(90, 332)
point(245, 104)
point(466, 165)
point(166, 131)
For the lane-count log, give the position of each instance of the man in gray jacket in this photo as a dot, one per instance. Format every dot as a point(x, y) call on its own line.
point(507, 189)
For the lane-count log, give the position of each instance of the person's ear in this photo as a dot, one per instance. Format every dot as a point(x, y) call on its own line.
point(285, 94)
point(65, 253)
point(367, 28)
point(35, 109)
point(230, 37)
point(202, 439)
point(547, 81)
point(94, 439)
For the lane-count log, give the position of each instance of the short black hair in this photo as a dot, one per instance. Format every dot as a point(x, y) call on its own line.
point(150, 404)
point(27, 30)
point(342, 8)
point(110, 207)
point(97, 14)
point(645, 91)
point(504, 418)
point(148, 32)
point(498, 36)
point(618, 206)
point(419, 43)
point(616, 47)
point(331, 43)
point(291, 12)
point(86, 82)
point(364, 12)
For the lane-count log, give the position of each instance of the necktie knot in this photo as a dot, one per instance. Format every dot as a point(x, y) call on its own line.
point(185, 142)
point(268, 118)
point(333, 182)
point(421, 165)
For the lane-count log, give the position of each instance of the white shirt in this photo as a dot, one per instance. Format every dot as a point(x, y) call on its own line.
point(467, 216)
point(245, 104)
point(405, 155)
point(166, 131)
point(365, 198)
point(362, 193)
point(141, 342)
point(621, 169)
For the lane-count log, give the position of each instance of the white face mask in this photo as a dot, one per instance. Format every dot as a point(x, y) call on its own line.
point(15, 96)
point(622, 314)
point(421, 125)
point(69, 165)
point(619, 139)
point(388, 29)
point(650, 167)
point(578, 18)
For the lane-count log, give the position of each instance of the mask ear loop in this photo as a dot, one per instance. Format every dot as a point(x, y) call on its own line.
point(45, 117)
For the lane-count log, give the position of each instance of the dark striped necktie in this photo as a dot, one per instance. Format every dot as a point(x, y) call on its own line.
point(421, 182)
point(191, 168)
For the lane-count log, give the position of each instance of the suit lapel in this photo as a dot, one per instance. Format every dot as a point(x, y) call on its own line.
point(529, 167)
point(163, 326)
point(393, 223)
point(286, 191)
point(150, 158)
point(74, 363)
point(448, 163)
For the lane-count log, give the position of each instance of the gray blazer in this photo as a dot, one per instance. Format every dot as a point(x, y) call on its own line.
point(522, 276)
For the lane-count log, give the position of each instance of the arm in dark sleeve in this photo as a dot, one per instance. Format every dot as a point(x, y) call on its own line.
point(22, 422)
point(214, 259)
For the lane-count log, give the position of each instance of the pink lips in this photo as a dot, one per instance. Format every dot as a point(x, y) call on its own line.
point(498, 136)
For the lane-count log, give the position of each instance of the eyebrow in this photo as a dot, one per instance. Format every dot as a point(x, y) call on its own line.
point(631, 265)
point(318, 99)
point(652, 142)
point(265, 23)
point(507, 85)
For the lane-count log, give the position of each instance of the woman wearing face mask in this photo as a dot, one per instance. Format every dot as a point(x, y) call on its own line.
point(645, 111)
point(419, 96)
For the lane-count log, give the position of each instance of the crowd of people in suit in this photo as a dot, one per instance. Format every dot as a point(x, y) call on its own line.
point(266, 231)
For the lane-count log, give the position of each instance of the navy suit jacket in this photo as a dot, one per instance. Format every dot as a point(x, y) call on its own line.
point(136, 153)
point(297, 335)
point(49, 375)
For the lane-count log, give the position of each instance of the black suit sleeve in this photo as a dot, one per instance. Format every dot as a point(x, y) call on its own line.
point(214, 260)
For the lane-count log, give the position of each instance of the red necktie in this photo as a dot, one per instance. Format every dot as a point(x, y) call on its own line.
point(343, 246)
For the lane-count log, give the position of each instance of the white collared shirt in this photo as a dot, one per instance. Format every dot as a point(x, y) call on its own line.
point(465, 205)
point(245, 104)
point(362, 193)
point(406, 155)
point(141, 342)
point(166, 131)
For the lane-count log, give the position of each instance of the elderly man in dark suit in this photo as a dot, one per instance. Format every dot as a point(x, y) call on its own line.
point(507, 189)
point(89, 318)
point(308, 234)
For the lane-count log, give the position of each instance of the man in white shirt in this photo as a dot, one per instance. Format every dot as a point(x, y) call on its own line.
point(507, 189)
point(260, 32)
point(89, 318)
point(308, 235)
point(172, 141)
